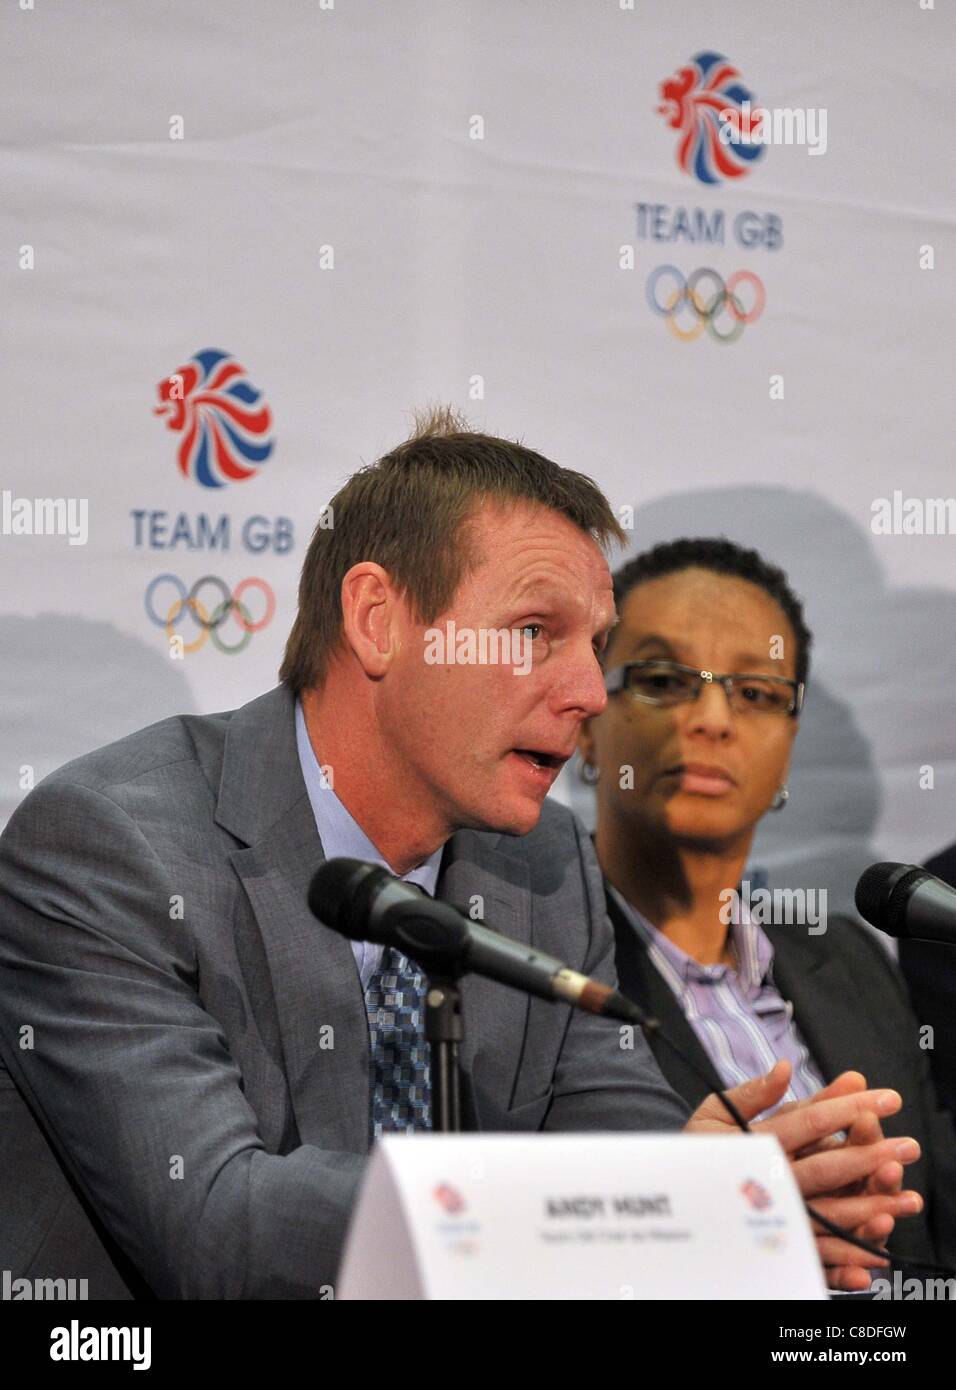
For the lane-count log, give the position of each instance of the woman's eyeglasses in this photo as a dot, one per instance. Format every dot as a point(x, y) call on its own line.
point(669, 683)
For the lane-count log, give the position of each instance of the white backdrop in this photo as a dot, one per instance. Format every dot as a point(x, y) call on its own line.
point(330, 219)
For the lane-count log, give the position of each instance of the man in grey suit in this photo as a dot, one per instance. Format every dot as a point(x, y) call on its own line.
point(185, 1104)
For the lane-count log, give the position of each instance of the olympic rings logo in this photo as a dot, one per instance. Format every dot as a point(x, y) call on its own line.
point(708, 307)
point(210, 625)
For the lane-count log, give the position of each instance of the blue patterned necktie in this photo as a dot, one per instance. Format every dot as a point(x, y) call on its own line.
point(400, 1075)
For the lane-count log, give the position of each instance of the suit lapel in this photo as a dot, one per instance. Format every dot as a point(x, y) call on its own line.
point(476, 871)
point(817, 983)
point(323, 1024)
point(315, 982)
point(641, 981)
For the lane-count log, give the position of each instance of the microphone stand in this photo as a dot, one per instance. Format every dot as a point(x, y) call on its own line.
point(444, 1031)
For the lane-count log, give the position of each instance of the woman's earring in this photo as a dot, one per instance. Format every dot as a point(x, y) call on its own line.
point(781, 799)
point(588, 773)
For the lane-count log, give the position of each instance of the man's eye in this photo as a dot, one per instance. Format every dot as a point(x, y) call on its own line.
point(537, 626)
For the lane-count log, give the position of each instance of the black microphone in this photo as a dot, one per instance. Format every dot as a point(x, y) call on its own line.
point(366, 903)
point(905, 901)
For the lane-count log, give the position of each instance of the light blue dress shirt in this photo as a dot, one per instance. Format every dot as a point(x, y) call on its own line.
point(343, 837)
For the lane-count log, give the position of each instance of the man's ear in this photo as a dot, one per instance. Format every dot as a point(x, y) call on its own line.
point(367, 616)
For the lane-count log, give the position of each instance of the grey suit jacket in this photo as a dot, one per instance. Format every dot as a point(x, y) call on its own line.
point(173, 1122)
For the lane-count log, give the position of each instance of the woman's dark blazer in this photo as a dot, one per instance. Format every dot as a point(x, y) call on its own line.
point(851, 1007)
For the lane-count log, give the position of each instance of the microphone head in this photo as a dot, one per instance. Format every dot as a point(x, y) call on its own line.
point(367, 903)
point(332, 893)
point(882, 893)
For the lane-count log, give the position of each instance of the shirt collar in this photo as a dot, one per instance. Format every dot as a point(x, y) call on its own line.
point(753, 947)
point(340, 833)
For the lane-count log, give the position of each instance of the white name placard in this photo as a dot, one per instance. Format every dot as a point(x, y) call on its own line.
point(540, 1216)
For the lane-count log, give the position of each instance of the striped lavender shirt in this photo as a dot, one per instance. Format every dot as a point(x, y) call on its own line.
point(739, 1016)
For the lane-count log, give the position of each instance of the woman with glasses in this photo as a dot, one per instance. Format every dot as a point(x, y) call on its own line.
point(705, 674)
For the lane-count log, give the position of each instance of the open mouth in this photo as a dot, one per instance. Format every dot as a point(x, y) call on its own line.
point(539, 759)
